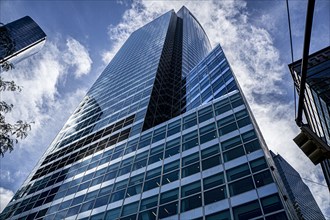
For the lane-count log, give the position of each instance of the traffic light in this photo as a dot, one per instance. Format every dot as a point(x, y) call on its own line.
point(312, 145)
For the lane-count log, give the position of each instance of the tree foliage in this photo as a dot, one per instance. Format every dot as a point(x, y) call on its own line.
point(10, 133)
point(6, 66)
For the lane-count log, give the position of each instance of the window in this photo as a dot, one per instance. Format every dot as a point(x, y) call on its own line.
point(86, 206)
point(241, 186)
point(170, 177)
point(117, 195)
point(113, 167)
point(262, 178)
point(252, 146)
point(125, 170)
point(258, 164)
point(100, 172)
point(190, 144)
point(144, 140)
point(189, 121)
point(133, 190)
point(238, 172)
point(277, 216)
point(153, 183)
point(168, 210)
point(153, 173)
point(155, 158)
point(120, 185)
point(189, 136)
point(223, 109)
point(173, 143)
point(211, 162)
point(271, 203)
point(113, 214)
point(172, 151)
point(65, 204)
point(77, 200)
point(227, 120)
point(159, 134)
point(190, 159)
point(210, 151)
point(234, 153)
point(110, 175)
point(136, 179)
point(223, 215)
point(250, 135)
point(247, 211)
point(230, 143)
point(191, 189)
point(101, 201)
point(171, 166)
point(212, 181)
point(243, 122)
point(191, 202)
point(190, 170)
point(148, 215)
point(215, 195)
point(205, 114)
point(228, 128)
point(222, 106)
point(139, 164)
point(130, 209)
point(141, 156)
point(105, 190)
point(169, 196)
point(208, 137)
point(207, 133)
point(173, 131)
point(149, 203)
point(73, 211)
point(207, 129)
point(91, 195)
point(157, 149)
point(237, 103)
point(131, 146)
point(241, 114)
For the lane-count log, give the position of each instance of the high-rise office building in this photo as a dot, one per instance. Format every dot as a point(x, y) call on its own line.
point(297, 191)
point(314, 138)
point(20, 39)
point(164, 133)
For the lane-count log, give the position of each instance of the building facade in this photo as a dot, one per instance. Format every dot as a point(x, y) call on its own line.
point(298, 192)
point(316, 107)
point(20, 39)
point(164, 133)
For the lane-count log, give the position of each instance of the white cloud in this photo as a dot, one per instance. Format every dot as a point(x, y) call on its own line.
point(256, 63)
point(6, 176)
point(78, 56)
point(5, 197)
point(39, 77)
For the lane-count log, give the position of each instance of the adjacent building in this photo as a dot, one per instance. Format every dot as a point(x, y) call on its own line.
point(20, 39)
point(314, 138)
point(164, 133)
point(297, 191)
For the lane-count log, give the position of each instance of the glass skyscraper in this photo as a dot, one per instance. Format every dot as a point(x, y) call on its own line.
point(298, 192)
point(164, 133)
point(20, 39)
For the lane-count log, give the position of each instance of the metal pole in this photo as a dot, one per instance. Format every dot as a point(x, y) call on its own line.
point(304, 61)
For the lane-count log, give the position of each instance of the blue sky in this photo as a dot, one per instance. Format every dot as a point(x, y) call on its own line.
point(82, 36)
